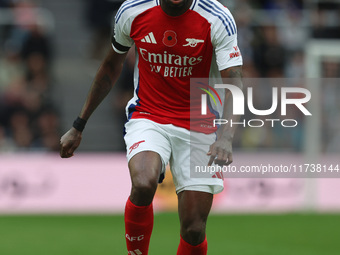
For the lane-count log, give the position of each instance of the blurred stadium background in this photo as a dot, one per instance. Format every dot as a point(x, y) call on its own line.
point(49, 54)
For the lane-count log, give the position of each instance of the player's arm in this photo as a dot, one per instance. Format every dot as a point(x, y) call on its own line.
point(221, 151)
point(106, 77)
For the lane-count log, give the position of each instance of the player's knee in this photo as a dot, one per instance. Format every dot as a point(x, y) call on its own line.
point(144, 185)
point(144, 171)
point(193, 231)
point(142, 192)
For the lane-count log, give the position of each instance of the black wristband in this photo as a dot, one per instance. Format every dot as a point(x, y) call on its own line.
point(79, 124)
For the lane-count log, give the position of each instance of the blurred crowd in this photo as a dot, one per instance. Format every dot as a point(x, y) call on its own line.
point(272, 36)
point(28, 118)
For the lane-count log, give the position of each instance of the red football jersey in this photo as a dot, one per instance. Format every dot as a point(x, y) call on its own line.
point(171, 51)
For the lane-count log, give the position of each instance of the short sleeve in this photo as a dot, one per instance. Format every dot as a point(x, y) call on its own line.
point(224, 39)
point(121, 40)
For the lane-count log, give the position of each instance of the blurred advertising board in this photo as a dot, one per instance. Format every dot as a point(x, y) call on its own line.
point(100, 183)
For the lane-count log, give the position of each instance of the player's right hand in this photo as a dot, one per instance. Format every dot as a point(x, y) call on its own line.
point(69, 142)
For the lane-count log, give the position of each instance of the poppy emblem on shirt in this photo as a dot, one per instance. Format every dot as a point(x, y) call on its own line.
point(170, 38)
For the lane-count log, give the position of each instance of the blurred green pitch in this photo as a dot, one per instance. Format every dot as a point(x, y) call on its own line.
point(293, 234)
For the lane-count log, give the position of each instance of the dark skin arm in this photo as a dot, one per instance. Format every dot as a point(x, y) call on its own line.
point(221, 151)
point(106, 77)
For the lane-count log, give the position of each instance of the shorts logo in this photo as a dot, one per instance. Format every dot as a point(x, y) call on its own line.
point(193, 42)
point(170, 38)
point(135, 145)
point(218, 175)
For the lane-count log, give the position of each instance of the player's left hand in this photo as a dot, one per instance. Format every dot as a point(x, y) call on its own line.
point(220, 153)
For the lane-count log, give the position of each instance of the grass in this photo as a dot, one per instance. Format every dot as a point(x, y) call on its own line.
point(293, 234)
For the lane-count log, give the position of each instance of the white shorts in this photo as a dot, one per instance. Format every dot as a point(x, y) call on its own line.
point(172, 143)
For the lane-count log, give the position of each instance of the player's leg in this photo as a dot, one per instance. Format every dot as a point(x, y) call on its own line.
point(195, 192)
point(148, 151)
point(145, 168)
point(193, 209)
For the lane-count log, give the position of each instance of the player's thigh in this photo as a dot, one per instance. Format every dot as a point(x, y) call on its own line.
point(148, 150)
point(189, 151)
point(145, 168)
